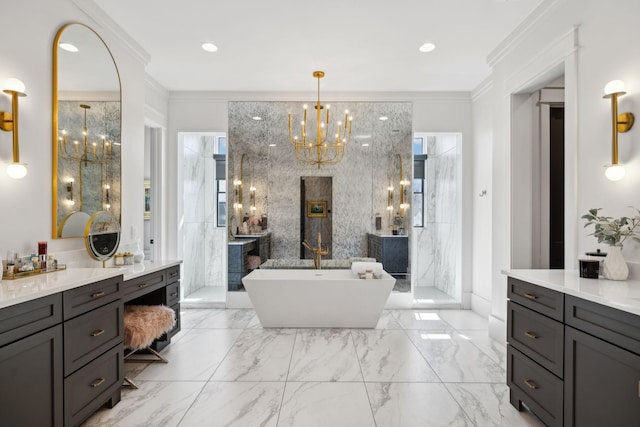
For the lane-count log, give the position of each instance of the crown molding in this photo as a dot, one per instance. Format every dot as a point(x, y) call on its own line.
point(522, 30)
point(207, 96)
point(94, 12)
point(482, 89)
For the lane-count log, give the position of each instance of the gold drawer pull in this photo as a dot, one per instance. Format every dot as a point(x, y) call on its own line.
point(531, 384)
point(531, 335)
point(98, 294)
point(530, 296)
point(97, 333)
point(142, 285)
point(97, 383)
point(174, 274)
point(175, 294)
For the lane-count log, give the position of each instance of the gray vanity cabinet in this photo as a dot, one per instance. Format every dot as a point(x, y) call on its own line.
point(237, 261)
point(573, 362)
point(31, 354)
point(392, 251)
point(602, 363)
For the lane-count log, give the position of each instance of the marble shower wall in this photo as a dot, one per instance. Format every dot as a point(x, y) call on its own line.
point(437, 240)
point(359, 181)
point(203, 241)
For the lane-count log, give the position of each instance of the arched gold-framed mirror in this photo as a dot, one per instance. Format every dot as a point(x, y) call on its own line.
point(86, 129)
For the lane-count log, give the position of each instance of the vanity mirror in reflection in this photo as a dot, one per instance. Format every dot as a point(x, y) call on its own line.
point(102, 236)
point(86, 130)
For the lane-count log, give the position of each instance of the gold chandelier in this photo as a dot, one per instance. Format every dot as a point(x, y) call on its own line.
point(322, 150)
point(93, 152)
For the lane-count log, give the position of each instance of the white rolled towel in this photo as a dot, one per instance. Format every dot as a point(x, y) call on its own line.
point(361, 267)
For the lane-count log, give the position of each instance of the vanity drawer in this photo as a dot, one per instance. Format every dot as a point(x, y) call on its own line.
point(80, 300)
point(89, 335)
point(537, 336)
point(89, 388)
point(173, 293)
point(142, 285)
point(536, 387)
point(21, 320)
point(173, 274)
point(617, 327)
point(543, 300)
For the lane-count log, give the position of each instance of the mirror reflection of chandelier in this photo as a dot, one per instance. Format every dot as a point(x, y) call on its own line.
point(323, 150)
point(87, 151)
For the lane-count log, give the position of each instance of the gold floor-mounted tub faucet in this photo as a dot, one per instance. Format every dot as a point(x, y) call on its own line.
point(317, 252)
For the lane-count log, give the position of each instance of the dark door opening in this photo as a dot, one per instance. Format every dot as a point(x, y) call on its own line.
point(556, 188)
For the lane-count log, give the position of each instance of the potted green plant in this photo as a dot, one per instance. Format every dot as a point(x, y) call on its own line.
point(614, 232)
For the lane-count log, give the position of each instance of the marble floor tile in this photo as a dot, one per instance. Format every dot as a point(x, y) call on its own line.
point(322, 404)
point(456, 359)
point(388, 321)
point(258, 355)
point(191, 317)
point(415, 405)
point(389, 355)
point(324, 355)
point(488, 405)
point(226, 318)
point(236, 404)
point(494, 349)
point(421, 319)
point(464, 319)
point(154, 404)
point(194, 358)
point(254, 323)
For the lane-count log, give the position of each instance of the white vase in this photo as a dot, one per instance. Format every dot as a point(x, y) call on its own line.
point(138, 254)
point(614, 266)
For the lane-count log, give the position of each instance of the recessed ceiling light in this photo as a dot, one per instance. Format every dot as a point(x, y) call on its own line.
point(256, 118)
point(427, 47)
point(365, 144)
point(272, 145)
point(68, 47)
point(209, 47)
point(383, 118)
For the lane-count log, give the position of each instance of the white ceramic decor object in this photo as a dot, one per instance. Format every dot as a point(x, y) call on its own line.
point(614, 265)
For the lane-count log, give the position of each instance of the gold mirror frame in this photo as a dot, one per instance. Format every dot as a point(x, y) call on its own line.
point(86, 94)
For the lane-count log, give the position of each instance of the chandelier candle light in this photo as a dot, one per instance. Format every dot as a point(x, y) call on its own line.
point(323, 150)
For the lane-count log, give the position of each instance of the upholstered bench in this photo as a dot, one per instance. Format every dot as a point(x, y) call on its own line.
point(142, 325)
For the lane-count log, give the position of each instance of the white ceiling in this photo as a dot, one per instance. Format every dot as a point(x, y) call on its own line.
point(362, 45)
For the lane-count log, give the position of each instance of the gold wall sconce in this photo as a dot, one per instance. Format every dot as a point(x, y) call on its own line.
point(9, 123)
point(252, 199)
point(237, 188)
point(404, 183)
point(621, 123)
point(390, 199)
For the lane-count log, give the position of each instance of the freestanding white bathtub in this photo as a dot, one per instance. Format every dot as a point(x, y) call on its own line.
point(317, 298)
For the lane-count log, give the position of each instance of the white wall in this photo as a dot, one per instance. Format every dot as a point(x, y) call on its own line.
point(482, 213)
point(25, 210)
point(544, 46)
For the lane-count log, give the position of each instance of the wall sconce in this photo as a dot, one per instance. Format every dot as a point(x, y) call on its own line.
point(390, 199)
point(237, 188)
point(620, 123)
point(252, 197)
point(69, 186)
point(9, 122)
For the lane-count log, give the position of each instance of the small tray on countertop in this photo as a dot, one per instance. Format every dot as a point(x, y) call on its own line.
point(38, 271)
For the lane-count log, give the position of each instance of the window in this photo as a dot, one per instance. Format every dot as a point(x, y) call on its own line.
point(419, 166)
point(221, 180)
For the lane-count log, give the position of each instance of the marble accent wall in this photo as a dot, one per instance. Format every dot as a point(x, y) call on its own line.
point(437, 240)
point(204, 243)
point(360, 181)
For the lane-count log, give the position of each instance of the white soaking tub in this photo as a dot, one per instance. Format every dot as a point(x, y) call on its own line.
point(317, 298)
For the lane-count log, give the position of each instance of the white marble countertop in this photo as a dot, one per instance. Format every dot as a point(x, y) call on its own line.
point(241, 241)
point(623, 295)
point(17, 291)
point(379, 234)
